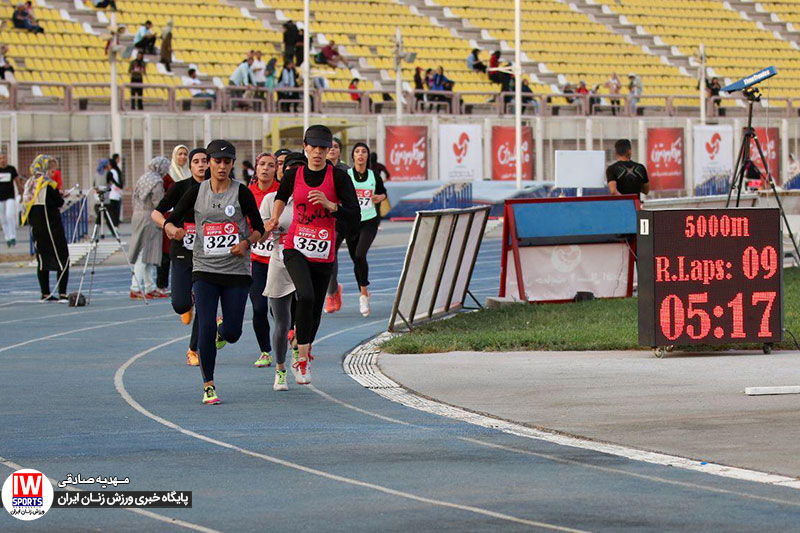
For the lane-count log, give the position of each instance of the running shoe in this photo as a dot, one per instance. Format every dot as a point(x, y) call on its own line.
point(162, 293)
point(363, 305)
point(280, 381)
point(302, 373)
point(220, 342)
point(210, 395)
point(338, 296)
point(330, 303)
point(51, 298)
point(290, 335)
point(186, 317)
point(192, 359)
point(264, 360)
point(136, 295)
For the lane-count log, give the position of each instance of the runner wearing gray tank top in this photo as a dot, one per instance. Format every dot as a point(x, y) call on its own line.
point(222, 208)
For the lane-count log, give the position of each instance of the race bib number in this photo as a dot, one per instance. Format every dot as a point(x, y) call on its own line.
point(218, 239)
point(264, 249)
point(313, 242)
point(189, 236)
point(364, 198)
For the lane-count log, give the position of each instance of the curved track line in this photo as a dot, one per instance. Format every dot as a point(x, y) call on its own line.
point(120, 386)
point(143, 512)
point(121, 308)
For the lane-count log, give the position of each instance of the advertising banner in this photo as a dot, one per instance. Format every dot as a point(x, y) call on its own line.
point(407, 152)
point(665, 158)
point(504, 161)
point(460, 152)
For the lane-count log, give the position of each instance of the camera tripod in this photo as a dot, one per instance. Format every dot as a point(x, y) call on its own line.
point(103, 214)
point(745, 163)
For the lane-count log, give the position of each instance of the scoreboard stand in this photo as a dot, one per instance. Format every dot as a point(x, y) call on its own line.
point(710, 277)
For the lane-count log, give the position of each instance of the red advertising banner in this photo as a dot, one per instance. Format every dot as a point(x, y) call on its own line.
point(665, 158)
point(770, 141)
point(407, 152)
point(503, 157)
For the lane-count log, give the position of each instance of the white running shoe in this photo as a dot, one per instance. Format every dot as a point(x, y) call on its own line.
point(280, 381)
point(363, 304)
point(302, 372)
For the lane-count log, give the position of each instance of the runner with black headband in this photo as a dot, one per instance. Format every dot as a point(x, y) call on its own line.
point(280, 288)
point(370, 192)
point(260, 255)
point(181, 246)
point(322, 195)
point(222, 209)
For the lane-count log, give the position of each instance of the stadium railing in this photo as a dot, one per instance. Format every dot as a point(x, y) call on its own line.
point(35, 95)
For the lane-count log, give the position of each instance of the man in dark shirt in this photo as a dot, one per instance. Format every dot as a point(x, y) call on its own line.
point(626, 176)
point(8, 204)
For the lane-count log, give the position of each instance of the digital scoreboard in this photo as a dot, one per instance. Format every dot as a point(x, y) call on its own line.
point(710, 276)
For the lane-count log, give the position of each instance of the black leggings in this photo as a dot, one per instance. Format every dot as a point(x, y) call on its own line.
point(162, 272)
point(333, 284)
point(310, 280)
point(358, 243)
point(283, 313)
point(182, 293)
point(44, 281)
point(260, 305)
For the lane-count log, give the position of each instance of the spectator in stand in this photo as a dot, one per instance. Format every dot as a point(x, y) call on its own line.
point(712, 91)
point(5, 64)
point(378, 168)
point(635, 88)
point(527, 97)
point(192, 79)
point(22, 21)
point(583, 89)
point(419, 85)
point(494, 62)
point(137, 70)
point(166, 46)
point(259, 68)
point(474, 63)
point(299, 48)
point(569, 89)
point(144, 39)
point(288, 80)
point(242, 77)
point(101, 4)
point(270, 74)
point(614, 86)
point(290, 37)
point(330, 56)
point(355, 95)
point(442, 83)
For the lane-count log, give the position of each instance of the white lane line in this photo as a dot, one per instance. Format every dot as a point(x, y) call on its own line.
point(361, 365)
point(120, 386)
point(107, 324)
point(143, 512)
point(556, 458)
point(102, 310)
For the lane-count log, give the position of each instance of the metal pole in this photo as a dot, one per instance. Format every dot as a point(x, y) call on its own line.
point(306, 66)
point(518, 93)
point(116, 123)
point(702, 83)
point(398, 82)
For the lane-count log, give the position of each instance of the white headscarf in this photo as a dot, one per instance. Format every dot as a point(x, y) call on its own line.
point(178, 173)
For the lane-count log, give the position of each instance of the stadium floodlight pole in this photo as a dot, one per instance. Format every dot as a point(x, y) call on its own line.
point(518, 93)
point(398, 60)
point(116, 126)
point(306, 66)
point(703, 110)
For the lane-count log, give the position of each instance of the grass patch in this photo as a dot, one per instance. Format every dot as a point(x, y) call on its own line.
point(594, 325)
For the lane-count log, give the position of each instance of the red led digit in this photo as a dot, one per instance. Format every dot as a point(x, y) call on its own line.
point(672, 321)
point(769, 261)
point(705, 320)
point(769, 298)
point(738, 317)
point(750, 262)
point(689, 231)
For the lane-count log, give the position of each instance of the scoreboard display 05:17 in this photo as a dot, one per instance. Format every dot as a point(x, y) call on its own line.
point(710, 276)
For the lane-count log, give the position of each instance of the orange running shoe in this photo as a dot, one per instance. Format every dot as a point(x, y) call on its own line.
point(192, 359)
point(330, 304)
point(338, 297)
point(186, 317)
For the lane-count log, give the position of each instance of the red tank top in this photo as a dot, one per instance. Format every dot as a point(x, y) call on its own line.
point(313, 228)
point(262, 252)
